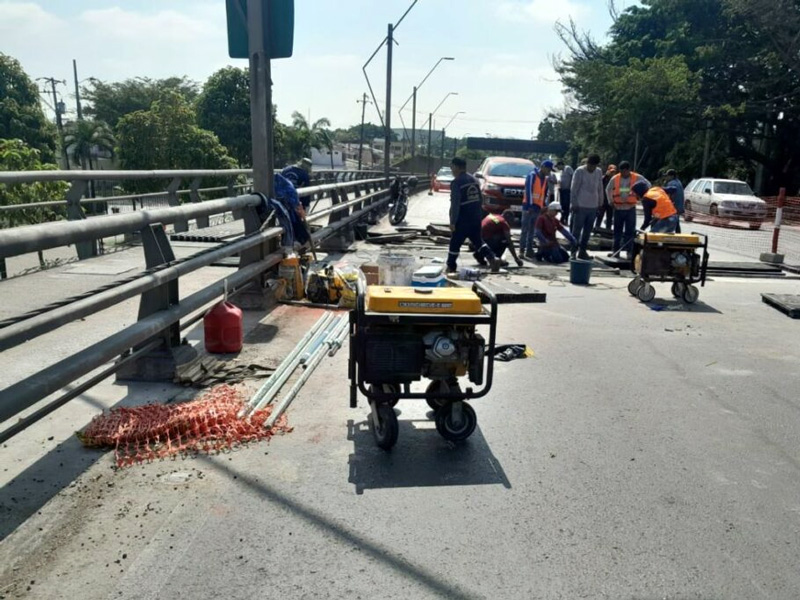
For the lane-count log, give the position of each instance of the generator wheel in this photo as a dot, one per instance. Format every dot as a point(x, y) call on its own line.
point(646, 292)
point(634, 285)
point(385, 433)
point(678, 289)
point(456, 432)
point(691, 294)
point(388, 388)
point(435, 387)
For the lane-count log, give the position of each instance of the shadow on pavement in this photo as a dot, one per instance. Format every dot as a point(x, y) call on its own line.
point(679, 306)
point(421, 458)
point(433, 581)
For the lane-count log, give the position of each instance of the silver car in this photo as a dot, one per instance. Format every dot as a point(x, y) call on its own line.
point(724, 198)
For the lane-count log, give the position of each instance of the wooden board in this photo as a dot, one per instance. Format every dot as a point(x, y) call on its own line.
point(786, 303)
point(508, 292)
point(748, 267)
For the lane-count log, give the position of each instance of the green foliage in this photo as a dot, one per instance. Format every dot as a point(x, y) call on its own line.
point(21, 115)
point(303, 136)
point(167, 137)
point(223, 107)
point(16, 155)
point(673, 68)
point(471, 154)
point(80, 137)
point(109, 102)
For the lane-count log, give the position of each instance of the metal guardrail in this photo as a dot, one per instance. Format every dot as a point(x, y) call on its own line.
point(156, 335)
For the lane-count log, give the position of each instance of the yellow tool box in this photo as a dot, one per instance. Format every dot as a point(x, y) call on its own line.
point(443, 301)
point(689, 239)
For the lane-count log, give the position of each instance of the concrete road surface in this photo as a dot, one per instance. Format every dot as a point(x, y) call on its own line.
point(640, 454)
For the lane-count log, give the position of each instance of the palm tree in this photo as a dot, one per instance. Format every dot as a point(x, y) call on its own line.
point(82, 137)
point(315, 135)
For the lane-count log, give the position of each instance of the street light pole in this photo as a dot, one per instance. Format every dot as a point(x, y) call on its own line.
point(430, 124)
point(363, 102)
point(414, 123)
point(387, 137)
point(77, 91)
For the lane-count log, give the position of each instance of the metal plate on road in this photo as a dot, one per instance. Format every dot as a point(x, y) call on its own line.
point(787, 303)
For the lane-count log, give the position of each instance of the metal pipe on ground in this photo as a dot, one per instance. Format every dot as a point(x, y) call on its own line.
point(285, 368)
point(53, 319)
point(290, 396)
point(319, 340)
point(32, 238)
point(24, 394)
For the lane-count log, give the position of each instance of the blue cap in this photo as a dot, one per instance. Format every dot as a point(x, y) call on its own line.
point(549, 164)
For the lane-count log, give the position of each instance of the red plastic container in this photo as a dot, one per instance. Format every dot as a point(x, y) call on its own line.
point(223, 328)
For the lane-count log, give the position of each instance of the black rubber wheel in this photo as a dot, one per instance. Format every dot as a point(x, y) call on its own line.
point(634, 285)
point(646, 292)
point(713, 211)
point(436, 387)
point(388, 388)
point(385, 433)
point(398, 213)
point(678, 288)
point(687, 216)
point(691, 294)
point(456, 432)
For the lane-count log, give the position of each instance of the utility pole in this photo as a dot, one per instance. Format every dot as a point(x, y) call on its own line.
point(260, 99)
point(414, 125)
point(636, 153)
point(442, 158)
point(455, 146)
point(387, 138)
point(77, 91)
point(430, 127)
point(363, 103)
point(706, 149)
point(58, 107)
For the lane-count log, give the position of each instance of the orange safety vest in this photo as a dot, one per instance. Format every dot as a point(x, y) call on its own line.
point(664, 207)
point(539, 191)
point(630, 198)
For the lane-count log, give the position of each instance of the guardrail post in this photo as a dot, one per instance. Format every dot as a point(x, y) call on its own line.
point(172, 196)
point(345, 237)
point(75, 213)
point(773, 257)
point(160, 364)
point(194, 194)
point(258, 296)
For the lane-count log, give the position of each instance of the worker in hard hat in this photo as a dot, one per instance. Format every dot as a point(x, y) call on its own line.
point(660, 213)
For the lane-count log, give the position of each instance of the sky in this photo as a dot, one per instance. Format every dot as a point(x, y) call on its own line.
point(502, 72)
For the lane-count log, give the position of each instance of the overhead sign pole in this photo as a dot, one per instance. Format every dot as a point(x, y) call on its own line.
point(260, 97)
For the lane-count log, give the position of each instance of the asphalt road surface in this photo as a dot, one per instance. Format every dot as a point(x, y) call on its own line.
point(641, 454)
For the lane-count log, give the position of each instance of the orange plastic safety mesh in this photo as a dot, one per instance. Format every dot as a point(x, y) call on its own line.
point(208, 424)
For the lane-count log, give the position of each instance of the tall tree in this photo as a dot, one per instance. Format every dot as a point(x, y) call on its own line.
point(167, 137)
point(223, 107)
point(21, 114)
point(309, 135)
point(109, 102)
point(82, 137)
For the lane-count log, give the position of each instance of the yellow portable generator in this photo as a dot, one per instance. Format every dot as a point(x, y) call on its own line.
point(670, 257)
point(400, 335)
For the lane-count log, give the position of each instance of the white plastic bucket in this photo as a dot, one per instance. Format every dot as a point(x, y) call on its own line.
point(396, 269)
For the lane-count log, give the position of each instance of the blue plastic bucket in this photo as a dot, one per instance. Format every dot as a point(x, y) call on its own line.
point(580, 271)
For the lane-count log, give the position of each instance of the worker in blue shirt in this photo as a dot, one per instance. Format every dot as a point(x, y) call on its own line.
point(677, 196)
point(536, 190)
point(300, 176)
point(466, 213)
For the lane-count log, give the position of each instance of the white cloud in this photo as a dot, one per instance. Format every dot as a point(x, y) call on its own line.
point(543, 12)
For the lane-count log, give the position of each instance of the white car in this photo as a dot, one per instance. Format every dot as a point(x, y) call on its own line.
point(724, 198)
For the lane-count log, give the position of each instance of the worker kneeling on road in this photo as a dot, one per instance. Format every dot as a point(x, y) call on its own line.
point(660, 213)
point(549, 250)
point(465, 216)
point(496, 233)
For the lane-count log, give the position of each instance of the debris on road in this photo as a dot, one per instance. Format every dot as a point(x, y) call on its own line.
point(207, 371)
point(207, 425)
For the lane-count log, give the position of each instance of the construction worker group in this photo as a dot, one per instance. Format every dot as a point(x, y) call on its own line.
point(583, 197)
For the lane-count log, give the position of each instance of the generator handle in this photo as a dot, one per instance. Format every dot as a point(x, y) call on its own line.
point(484, 291)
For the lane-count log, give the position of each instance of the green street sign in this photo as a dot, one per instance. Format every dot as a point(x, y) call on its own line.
point(278, 30)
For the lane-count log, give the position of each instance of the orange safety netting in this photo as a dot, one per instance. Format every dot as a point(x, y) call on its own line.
point(207, 424)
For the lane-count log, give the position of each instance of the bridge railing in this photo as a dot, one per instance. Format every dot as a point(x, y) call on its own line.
point(151, 348)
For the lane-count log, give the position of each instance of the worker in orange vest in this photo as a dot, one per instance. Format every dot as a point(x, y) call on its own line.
point(618, 192)
point(660, 213)
point(536, 185)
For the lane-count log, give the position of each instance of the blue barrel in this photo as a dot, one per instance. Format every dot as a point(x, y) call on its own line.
point(580, 271)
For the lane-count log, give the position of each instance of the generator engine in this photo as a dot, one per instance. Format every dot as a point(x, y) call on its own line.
point(452, 353)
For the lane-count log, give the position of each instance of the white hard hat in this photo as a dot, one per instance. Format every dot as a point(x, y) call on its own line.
point(556, 206)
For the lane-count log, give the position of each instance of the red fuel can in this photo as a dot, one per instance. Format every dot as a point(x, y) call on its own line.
point(223, 328)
